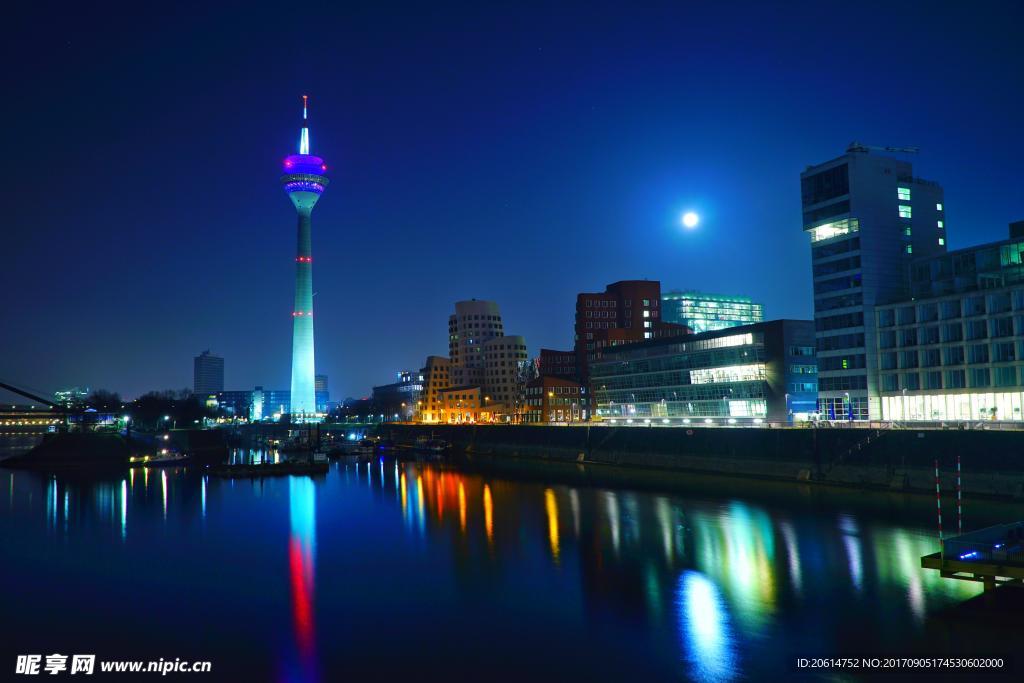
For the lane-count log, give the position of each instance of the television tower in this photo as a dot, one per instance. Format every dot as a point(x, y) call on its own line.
point(304, 181)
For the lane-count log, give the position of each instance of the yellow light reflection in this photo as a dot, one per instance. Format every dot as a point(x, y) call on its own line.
point(462, 507)
point(551, 505)
point(488, 514)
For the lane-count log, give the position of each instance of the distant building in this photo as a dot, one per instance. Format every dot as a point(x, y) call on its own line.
point(557, 364)
point(867, 217)
point(435, 379)
point(399, 399)
point(208, 374)
point(551, 399)
point(626, 311)
point(703, 312)
point(71, 398)
point(321, 394)
point(740, 375)
point(238, 403)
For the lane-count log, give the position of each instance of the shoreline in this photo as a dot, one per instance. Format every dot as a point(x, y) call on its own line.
point(901, 461)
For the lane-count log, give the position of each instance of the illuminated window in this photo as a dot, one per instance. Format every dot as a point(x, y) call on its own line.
point(647, 335)
point(903, 194)
point(647, 314)
point(905, 211)
point(910, 248)
point(941, 224)
point(834, 229)
point(942, 242)
point(938, 207)
point(906, 231)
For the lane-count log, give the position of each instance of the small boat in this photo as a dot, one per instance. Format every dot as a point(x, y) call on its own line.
point(163, 458)
point(294, 447)
point(365, 449)
point(431, 445)
point(287, 467)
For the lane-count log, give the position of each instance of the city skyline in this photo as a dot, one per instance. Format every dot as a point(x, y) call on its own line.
point(594, 179)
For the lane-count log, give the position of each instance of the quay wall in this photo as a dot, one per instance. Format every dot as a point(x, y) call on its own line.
point(992, 462)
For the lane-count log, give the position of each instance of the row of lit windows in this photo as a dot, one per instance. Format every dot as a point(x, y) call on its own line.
point(1000, 302)
point(951, 379)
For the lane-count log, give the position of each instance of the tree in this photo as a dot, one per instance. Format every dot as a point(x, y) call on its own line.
point(103, 400)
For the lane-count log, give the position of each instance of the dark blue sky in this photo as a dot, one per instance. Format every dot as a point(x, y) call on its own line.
point(517, 152)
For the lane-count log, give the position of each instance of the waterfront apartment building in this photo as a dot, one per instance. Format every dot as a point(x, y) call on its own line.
point(436, 378)
point(954, 349)
point(702, 312)
point(463, 405)
point(741, 375)
point(626, 311)
point(550, 399)
point(207, 374)
point(867, 217)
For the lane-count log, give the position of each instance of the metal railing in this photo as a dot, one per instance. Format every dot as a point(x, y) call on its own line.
point(1002, 544)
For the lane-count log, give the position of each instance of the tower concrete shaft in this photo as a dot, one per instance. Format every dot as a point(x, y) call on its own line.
point(304, 182)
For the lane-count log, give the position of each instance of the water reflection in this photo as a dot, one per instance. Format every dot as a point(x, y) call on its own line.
point(704, 628)
point(704, 581)
point(301, 550)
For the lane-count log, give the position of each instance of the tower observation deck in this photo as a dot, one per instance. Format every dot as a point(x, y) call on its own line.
point(304, 181)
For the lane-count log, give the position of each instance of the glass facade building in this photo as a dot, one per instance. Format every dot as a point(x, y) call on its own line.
point(708, 312)
point(955, 351)
point(867, 218)
point(747, 374)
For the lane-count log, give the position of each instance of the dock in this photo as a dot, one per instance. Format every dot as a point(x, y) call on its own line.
point(993, 556)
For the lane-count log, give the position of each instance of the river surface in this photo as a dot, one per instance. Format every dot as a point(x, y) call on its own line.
point(474, 572)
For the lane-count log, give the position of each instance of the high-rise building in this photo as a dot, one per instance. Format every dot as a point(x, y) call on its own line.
point(867, 217)
point(473, 323)
point(626, 311)
point(482, 355)
point(207, 374)
point(304, 181)
point(504, 363)
point(703, 312)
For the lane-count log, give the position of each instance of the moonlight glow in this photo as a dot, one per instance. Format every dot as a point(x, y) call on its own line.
point(690, 219)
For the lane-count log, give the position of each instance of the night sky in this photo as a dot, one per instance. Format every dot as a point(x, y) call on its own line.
point(521, 153)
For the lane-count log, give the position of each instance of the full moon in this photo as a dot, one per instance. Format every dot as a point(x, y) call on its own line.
point(690, 219)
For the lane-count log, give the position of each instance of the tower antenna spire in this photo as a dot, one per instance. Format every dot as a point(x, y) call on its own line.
point(304, 136)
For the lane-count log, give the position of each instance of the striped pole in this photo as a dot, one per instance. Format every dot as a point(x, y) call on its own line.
point(938, 503)
point(959, 500)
